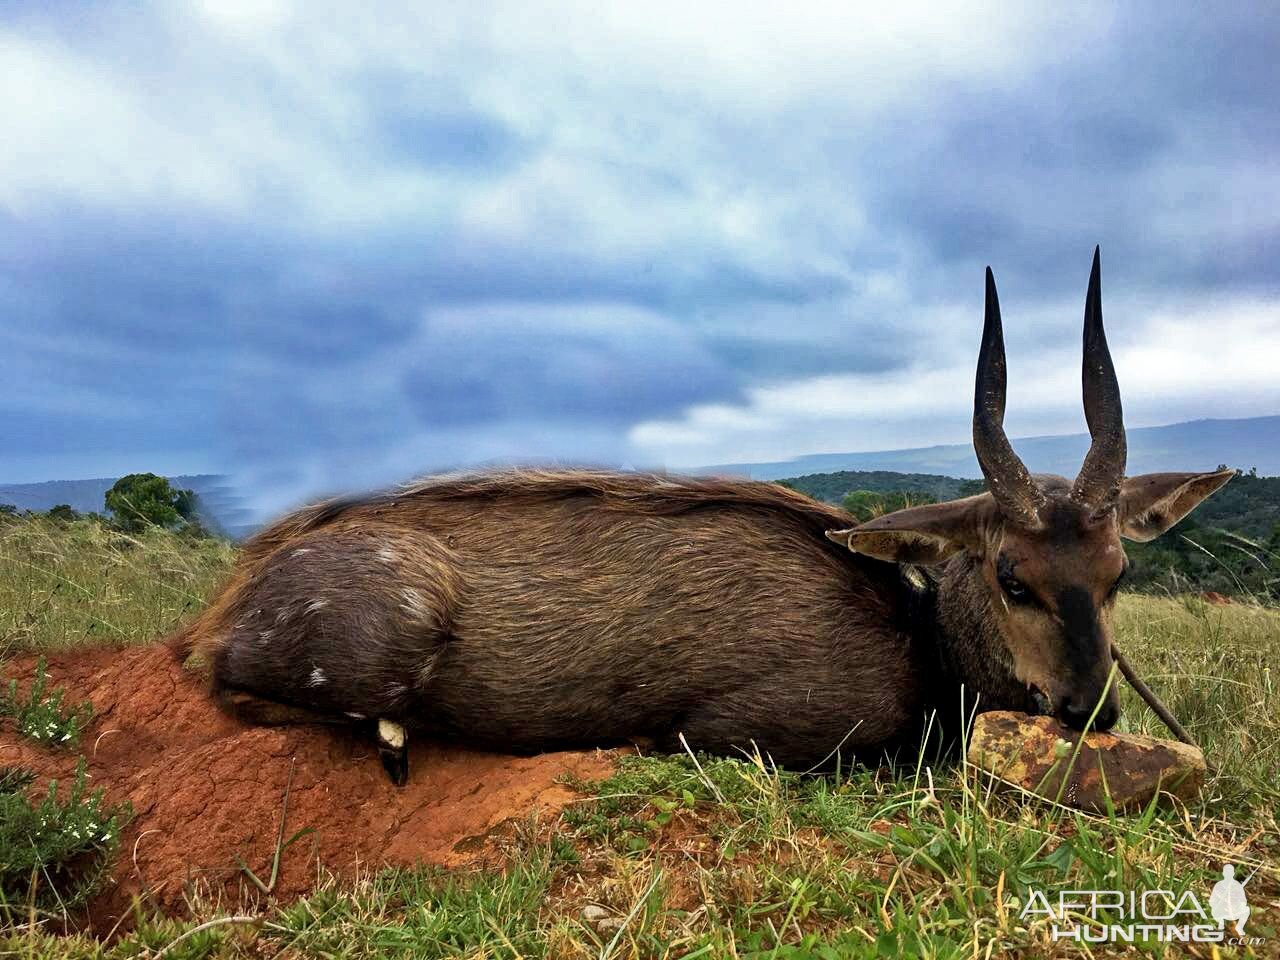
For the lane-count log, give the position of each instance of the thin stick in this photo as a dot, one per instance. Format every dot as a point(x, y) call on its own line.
point(1148, 695)
point(702, 773)
point(607, 952)
point(216, 922)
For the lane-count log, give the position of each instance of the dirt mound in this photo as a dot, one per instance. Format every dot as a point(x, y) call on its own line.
point(206, 789)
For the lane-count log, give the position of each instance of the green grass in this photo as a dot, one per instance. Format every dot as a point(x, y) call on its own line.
point(730, 858)
point(64, 584)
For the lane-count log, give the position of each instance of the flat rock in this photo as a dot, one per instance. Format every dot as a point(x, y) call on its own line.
point(1035, 754)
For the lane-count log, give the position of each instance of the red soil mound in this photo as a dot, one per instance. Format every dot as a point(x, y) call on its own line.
point(206, 788)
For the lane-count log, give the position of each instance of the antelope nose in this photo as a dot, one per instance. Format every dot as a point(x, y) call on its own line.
point(1075, 713)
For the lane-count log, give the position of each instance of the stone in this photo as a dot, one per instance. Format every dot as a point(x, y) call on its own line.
point(1034, 753)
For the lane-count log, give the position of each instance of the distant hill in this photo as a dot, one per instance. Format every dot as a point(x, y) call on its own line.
point(218, 503)
point(832, 487)
point(1194, 445)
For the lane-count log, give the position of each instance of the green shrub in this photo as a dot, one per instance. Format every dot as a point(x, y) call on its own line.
point(41, 717)
point(15, 779)
point(142, 500)
point(54, 853)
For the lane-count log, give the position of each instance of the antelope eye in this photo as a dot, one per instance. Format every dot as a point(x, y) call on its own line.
point(1015, 589)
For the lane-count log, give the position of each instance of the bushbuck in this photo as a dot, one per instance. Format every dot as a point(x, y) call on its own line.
point(530, 610)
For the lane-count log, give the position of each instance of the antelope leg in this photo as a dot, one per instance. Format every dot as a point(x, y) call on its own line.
point(393, 750)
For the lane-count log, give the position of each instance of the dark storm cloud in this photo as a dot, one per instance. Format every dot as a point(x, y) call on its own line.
point(180, 283)
point(1133, 145)
point(197, 288)
point(512, 367)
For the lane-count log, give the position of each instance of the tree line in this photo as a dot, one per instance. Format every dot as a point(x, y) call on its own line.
point(133, 504)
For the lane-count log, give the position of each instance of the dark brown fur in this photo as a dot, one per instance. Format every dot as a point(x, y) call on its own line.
point(529, 610)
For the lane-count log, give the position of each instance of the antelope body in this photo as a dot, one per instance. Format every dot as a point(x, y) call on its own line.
point(530, 610)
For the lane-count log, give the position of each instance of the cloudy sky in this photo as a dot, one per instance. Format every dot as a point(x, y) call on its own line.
point(322, 251)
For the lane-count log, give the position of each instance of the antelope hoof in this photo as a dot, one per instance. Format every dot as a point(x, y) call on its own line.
point(393, 751)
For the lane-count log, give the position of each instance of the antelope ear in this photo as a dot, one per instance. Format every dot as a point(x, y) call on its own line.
point(927, 534)
point(1152, 503)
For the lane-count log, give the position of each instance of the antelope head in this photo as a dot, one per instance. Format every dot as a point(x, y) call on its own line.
point(1043, 554)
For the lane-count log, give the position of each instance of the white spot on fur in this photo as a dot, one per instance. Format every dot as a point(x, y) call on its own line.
point(301, 551)
point(391, 733)
point(415, 604)
point(355, 716)
point(387, 555)
point(315, 606)
point(317, 678)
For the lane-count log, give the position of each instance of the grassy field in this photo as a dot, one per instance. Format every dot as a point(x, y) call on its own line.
point(674, 857)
